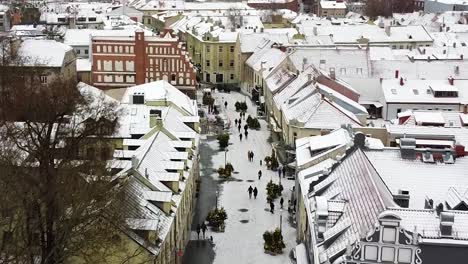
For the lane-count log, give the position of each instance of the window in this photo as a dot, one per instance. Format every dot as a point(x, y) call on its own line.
point(90, 153)
point(7, 237)
point(343, 71)
point(416, 91)
point(404, 255)
point(81, 19)
point(220, 64)
point(207, 48)
point(78, 51)
point(389, 235)
point(370, 253)
point(92, 19)
point(388, 254)
point(394, 47)
point(219, 78)
point(231, 63)
point(359, 71)
point(104, 49)
point(232, 76)
point(173, 77)
point(43, 79)
point(393, 91)
point(207, 63)
point(220, 48)
point(86, 51)
point(232, 48)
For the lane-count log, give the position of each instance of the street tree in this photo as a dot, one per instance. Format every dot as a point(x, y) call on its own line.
point(59, 200)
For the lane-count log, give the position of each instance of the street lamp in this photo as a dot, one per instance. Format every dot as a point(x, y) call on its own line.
point(281, 221)
point(225, 153)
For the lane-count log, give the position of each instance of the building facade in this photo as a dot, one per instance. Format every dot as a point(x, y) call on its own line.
point(214, 57)
point(126, 61)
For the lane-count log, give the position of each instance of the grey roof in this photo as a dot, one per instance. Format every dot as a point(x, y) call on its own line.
point(432, 180)
point(427, 223)
point(359, 185)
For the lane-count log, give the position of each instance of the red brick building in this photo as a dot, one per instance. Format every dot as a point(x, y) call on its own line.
point(123, 61)
point(292, 5)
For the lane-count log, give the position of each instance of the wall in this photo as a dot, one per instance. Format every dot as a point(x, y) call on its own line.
point(209, 50)
point(291, 5)
point(332, 12)
point(436, 254)
point(123, 63)
point(390, 110)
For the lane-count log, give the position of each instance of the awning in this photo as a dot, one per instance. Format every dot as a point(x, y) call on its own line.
point(274, 126)
point(374, 103)
point(292, 165)
point(301, 254)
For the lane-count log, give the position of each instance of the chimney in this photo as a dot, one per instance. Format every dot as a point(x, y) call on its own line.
point(408, 148)
point(401, 81)
point(261, 30)
point(315, 31)
point(134, 162)
point(396, 74)
point(332, 74)
point(402, 198)
point(304, 63)
point(451, 80)
point(447, 220)
point(454, 44)
point(387, 30)
point(146, 173)
point(461, 56)
point(155, 118)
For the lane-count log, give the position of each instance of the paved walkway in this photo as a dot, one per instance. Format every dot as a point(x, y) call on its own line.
point(248, 219)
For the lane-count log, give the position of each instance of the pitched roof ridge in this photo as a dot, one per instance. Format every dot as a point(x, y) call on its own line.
point(339, 108)
point(373, 180)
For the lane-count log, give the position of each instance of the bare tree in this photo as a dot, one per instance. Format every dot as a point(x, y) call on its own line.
point(59, 200)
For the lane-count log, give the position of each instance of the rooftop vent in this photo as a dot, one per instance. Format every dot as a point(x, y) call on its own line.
point(408, 148)
point(447, 220)
point(428, 157)
point(402, 198)
point(448, 158)
point(138, 98)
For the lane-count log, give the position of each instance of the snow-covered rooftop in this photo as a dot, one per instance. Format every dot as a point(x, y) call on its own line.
point(332, 5)
point(48, 53)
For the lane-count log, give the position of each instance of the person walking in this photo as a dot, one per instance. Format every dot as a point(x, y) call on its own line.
point(250, 190)
point(279, 172)
point(284, 171)
point(235, 121)
point(198, 231)
point(251, 155)
point(259, 174)
point(239, 127)
point(240, 136)
point(255, 192)
point(248, 154)
point(246, 133)
point(246, 127)
point(225, 104)
point(203, 228)
point(281, 202)
point(272, 207)
point(261, 161)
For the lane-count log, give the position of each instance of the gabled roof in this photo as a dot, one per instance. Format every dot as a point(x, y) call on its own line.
point(162, 91)
point(47, 53)
point(365, 195)
point(431, 180)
